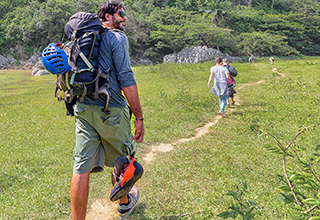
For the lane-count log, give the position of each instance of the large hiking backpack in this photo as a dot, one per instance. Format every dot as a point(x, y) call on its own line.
point(83, 32)
point(233, 72)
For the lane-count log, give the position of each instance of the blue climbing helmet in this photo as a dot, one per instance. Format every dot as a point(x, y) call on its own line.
point(55, 60)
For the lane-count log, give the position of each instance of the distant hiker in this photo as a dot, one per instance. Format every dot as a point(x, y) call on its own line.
point(231, 81)
point(251, 59)
point(220, 87)
point(102, 136)
point(271, 59)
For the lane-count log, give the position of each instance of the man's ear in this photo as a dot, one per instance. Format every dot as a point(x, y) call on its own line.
point(107, 17)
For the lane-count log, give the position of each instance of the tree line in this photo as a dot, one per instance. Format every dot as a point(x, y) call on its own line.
point(159, 27)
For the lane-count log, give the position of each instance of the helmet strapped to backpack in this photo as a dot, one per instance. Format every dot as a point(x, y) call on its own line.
point(55, 60)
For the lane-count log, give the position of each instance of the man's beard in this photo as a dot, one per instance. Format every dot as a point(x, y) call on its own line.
point(119, 25)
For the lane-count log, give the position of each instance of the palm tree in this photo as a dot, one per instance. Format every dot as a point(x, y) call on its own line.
point(215, 8)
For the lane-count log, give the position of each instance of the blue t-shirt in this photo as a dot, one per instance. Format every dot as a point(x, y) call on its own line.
point(114, 53)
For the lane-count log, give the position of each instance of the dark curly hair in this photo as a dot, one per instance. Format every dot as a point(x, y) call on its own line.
point(110, 7)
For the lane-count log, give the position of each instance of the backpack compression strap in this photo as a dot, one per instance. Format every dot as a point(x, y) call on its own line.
point(98, 90)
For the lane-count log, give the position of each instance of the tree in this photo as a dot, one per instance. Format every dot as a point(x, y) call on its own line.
point(8, 6)
point(87, 5)
point(309, 40)
point(264, 44)
point(244, 19)
point(37, 24)
point(169, 36)
point(307, 7)
point(169, 29)
point(34, 24)
point(250, 3)
point(138, 30)
point(216, 9)
point(272, 6)
point(205, 34)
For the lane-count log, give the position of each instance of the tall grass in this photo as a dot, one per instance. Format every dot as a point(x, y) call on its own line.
point(36, 145)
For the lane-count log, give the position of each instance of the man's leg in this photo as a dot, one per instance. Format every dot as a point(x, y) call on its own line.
point(124, 210)
point(79, 195)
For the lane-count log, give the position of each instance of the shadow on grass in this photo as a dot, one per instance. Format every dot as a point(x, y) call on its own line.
point(139, 212)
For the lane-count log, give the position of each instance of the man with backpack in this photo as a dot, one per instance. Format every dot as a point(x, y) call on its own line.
point(103, 135)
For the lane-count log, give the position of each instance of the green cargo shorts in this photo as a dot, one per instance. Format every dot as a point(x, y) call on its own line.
point(100, 138)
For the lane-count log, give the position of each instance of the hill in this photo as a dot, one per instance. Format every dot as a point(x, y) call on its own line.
point(156, 28)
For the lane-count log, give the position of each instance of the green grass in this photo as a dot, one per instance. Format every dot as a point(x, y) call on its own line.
point(36, 145)
point(35, 148)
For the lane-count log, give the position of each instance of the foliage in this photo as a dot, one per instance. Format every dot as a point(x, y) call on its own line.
point(310, 43)
point(244, 19)
point(176, 32)
point(170, 31)
point(138, 36)
point(206, 34)
point(241, 207)
point(264, 44)
point(156, 28)
point(299, 31)
point(36, 24)
point(307, 7)
point(87, 5)
point(301, 177)
point(8, 6)
point(216, 9)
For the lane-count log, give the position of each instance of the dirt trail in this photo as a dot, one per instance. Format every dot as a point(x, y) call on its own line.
point(200, 131)
point(103, 209)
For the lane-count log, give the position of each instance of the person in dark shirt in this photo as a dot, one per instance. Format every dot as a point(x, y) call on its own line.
point(231, 83)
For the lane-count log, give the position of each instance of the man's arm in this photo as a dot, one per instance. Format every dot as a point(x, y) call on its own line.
point(227, 75)
point(132, 96)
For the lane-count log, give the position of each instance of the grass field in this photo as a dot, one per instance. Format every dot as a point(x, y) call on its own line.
point(37, 139)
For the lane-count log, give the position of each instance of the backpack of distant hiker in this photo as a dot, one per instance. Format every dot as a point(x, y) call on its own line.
point(233, 72)
point(79, 76)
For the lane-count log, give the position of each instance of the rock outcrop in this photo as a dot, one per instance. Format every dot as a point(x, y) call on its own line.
point(197, 54)
point(9, 61)
point(38, 69)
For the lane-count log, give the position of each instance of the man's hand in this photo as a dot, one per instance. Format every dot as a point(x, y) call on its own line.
point(139, 133)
